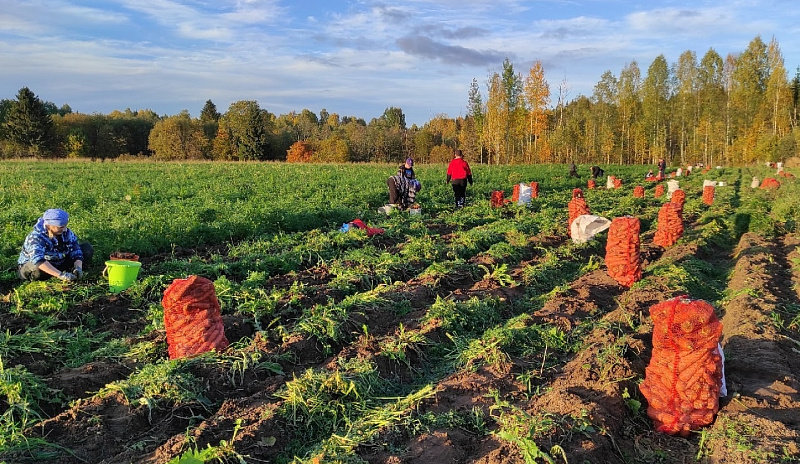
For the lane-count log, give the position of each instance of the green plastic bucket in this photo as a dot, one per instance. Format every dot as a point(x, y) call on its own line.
point(121, 274)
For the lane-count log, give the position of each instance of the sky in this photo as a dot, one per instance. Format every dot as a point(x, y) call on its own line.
point(353, 57)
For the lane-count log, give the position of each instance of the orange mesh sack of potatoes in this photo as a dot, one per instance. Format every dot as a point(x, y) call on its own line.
point(770, 183)
point(591, 184)
point(638, 191)
point(683, 380)
point(534, 190)
point(659, 192)
point(192, 317)
point(622, 251)
point(497, 199)
point(679, 198)
point(617, 183)
point(576, 207)
point(670, 225)
point(515, 194)
point(708, 194)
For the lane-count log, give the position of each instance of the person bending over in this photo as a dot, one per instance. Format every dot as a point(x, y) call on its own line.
point(52, 250)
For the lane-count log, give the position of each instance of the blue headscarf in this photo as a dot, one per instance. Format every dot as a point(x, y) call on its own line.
point(55, 217)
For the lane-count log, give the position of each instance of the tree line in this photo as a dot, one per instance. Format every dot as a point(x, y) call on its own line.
point(732, 110)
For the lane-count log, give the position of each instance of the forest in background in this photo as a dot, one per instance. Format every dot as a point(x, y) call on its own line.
point(733, 110)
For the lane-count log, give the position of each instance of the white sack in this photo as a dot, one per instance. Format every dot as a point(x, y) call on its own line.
point(672, 185)
point(586, 226)
point(524, 194)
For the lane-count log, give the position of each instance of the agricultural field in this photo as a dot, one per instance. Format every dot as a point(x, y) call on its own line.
point(479, 335)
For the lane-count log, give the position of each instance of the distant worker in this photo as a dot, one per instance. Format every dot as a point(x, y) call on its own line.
point(573, 170)
point(458, 175)
point(403, 187)
point(51, 249)
point(597, 172)
point(649, 174)
point(662, 168)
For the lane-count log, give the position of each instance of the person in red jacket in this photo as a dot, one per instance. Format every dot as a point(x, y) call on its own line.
point(458, 175)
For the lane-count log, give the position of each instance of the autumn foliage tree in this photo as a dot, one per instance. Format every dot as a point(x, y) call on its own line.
point(299, 152)
point(537, 98)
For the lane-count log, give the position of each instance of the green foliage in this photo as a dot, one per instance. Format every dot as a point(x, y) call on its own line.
point(21, 393)
point(166, 383)
point(224, 452)
point(28, 124)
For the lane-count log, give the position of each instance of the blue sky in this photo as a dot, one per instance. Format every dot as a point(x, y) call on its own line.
point(354, 58)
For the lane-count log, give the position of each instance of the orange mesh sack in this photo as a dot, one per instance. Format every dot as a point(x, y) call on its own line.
point(683, 380)
point(679, 198)
point(515, 194)
point(534, 190)
point(708, 194)
point(497, 199)
point(617, 183)
point(576, 207)
point(591, 184)
point(638, 191)
point(622, 251)
point(192, 317)
point(659, 192)
point(670, 225)
point(770, 183)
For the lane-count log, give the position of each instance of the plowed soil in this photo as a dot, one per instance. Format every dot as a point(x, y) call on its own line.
point(579, 402)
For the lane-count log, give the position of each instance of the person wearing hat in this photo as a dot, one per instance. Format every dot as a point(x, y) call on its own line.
point(403, 186)
point(458, 175)
point(51, 249)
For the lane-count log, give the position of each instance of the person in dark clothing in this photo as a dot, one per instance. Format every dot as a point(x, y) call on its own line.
point(51, 249)
point(662, 168)
point(458, 175)
point(573, 170)
point(403, 186)
point(597, 172)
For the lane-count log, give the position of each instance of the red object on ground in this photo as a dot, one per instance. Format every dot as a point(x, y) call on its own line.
point(786, 174)
point(617, 183)
point(659, 192)
point(679, 198)
point(534, 190)
point(651, 179)
point(591, 184)
point(638, 191)
point(670, 225)
point(684, 377)
point(576, 207)
point(192, 317)
point(622, 251)
point(708, 194)
point(370, 230)
point(497, 199)
point(770, 183)
point(515, 194)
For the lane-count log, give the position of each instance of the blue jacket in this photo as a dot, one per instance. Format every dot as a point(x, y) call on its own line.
point(39, 247)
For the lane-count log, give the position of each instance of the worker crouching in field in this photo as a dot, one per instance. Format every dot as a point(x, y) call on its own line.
point(51, 249)
point(403, 188)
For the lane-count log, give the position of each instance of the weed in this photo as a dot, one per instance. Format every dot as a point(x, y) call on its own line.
point(498, 274)
point(169, 382)
point(224, 452)
point(397, 346)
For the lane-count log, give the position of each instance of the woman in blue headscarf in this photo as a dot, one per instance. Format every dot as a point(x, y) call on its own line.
point(51, 249)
